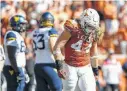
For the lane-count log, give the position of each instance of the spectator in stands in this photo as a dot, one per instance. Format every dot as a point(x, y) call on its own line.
point(122, 33)
point(110, 14)
point(112, 72)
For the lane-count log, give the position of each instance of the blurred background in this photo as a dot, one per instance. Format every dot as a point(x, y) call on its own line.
point(112, 49)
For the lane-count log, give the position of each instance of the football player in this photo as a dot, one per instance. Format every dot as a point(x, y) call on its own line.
point(44, 40)
point(2, 59)
point(15, 54)
point(79, 40)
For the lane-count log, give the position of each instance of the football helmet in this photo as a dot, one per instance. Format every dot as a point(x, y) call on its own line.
point(89, 18)
point(46, 20)
point(18, 23)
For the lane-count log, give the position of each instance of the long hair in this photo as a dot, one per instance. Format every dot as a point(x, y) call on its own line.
point(99, 35)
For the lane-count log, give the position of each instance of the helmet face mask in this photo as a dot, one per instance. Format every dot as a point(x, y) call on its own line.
point(23, 27)
point(46, 23)
point(89, 30)
point(18, 23)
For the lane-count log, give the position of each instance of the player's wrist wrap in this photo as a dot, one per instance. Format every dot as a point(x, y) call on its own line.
point(96, 71)
point(59, 64)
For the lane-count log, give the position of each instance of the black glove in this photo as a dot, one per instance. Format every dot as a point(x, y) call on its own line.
point(59, 64)
point(60, 70)
point(95, 71)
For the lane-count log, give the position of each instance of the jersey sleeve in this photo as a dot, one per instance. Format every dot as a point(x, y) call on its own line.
point(11, 39)
point(53, 32)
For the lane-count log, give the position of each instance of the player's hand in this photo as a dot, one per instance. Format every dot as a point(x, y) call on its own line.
point(62, 73)
point(19, 77)
point(69, 24)
point(60, 70)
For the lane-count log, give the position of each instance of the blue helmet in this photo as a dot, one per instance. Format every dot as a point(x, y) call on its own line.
point(18, 23)
point(46, 20)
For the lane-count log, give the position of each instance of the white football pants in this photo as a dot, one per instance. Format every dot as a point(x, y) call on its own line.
point(79, 78)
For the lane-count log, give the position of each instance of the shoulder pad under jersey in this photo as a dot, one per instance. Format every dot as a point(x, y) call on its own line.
point(11, 36)
point(53, 32)
point(11, 39)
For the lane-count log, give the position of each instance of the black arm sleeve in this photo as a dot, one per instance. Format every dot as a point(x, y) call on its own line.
point(11, 54)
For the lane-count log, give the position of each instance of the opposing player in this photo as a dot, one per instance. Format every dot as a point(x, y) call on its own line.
point(15, 54)
point(44, 40)
point(79, 40)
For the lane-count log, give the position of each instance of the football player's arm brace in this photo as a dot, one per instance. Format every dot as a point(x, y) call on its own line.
point(12, 57)
point(94, 58)
point(62, 40)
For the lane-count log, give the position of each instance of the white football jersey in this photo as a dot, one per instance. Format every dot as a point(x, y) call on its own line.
point(41, 47)
point(13, 38)
point(2, 56)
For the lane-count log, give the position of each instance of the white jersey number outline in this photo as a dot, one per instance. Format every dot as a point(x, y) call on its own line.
point(77, 46)
point(22, 47)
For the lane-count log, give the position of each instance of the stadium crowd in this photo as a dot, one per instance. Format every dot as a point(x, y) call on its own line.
point(113, 16)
